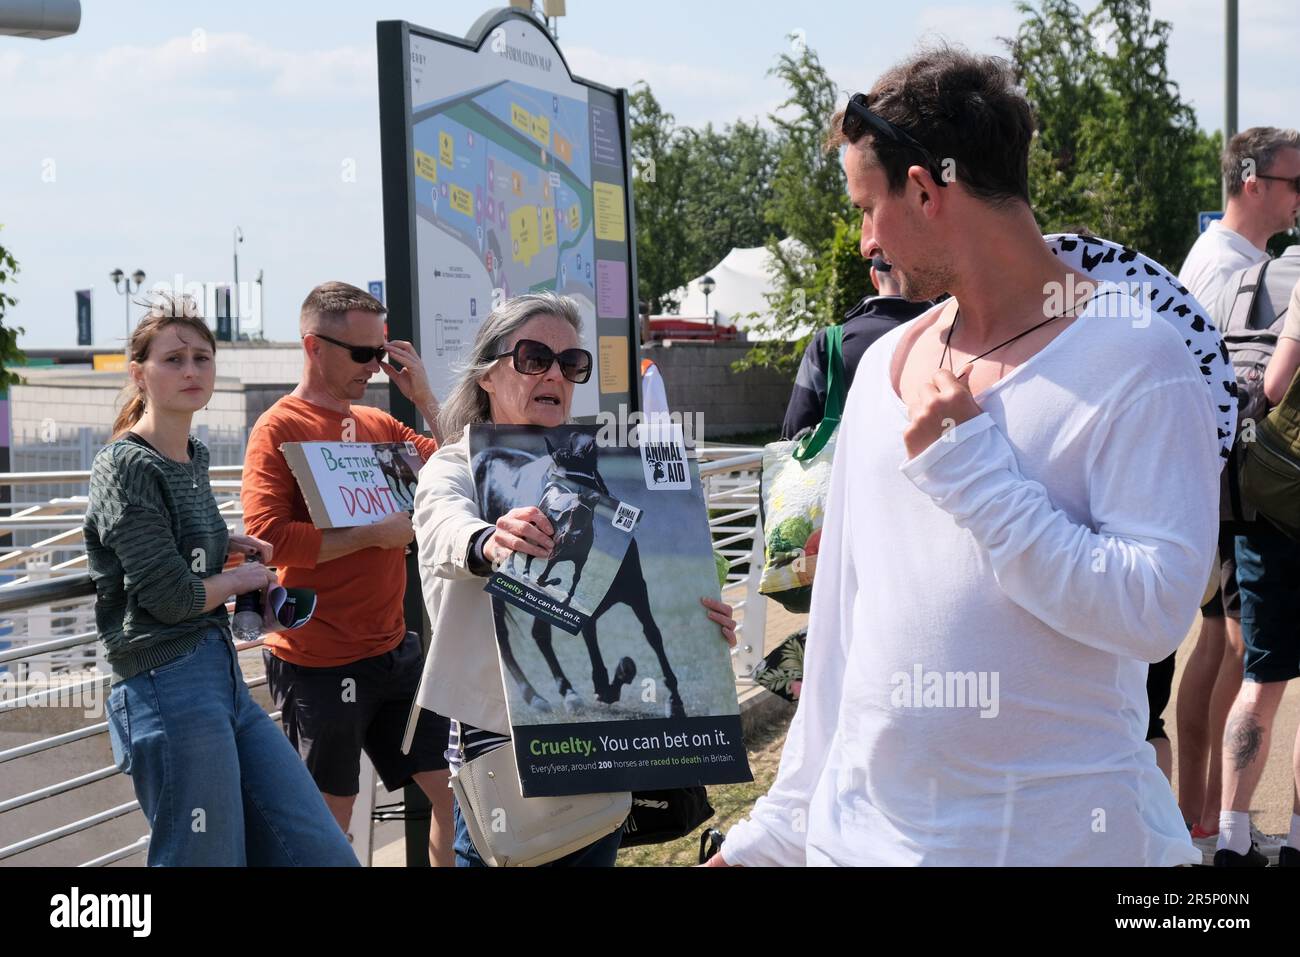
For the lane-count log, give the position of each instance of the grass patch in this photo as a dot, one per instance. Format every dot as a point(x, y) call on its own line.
point(731, 802)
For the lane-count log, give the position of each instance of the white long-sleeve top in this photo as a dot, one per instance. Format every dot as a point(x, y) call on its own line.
point(1059, 541)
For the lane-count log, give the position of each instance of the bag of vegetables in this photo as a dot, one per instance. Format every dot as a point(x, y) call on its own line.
point(796, 479)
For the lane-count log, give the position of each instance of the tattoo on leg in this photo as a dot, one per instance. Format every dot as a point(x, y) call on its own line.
point(1244, 736)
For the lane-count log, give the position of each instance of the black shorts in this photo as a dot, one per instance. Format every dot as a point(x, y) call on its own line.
point(1227, 600)
point(332, 714)
point(1160, 682)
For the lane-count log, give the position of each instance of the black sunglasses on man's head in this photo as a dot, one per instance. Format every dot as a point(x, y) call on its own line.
point(535, 358)
point(858, 120)
point(360, 354)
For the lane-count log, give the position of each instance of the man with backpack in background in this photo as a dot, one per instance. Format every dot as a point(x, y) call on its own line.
point(1263, 339)
point(1259, 165)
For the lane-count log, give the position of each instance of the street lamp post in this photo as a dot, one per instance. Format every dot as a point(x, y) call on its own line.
point(122, 283)
point(261, 307)
point(1229, 78)
point(707, 285)
point(239, 238)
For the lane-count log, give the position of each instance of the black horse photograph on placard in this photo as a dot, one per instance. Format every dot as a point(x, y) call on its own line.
point(399, 465)
point(624, 575)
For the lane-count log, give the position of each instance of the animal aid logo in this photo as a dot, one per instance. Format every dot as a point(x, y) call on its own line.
point(663, 455)
point(626, 517)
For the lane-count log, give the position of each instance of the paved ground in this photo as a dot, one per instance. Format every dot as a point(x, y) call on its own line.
point(1272, 806)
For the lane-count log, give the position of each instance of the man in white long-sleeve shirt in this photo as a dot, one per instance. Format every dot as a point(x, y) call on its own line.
point(1022, 515)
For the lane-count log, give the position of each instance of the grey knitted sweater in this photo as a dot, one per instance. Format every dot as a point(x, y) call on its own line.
point(153, 533)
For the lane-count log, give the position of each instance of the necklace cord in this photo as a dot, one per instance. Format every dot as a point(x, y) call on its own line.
point(1019, 335)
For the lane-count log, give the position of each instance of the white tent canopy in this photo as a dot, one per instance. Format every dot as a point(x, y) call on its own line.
point(743, 279)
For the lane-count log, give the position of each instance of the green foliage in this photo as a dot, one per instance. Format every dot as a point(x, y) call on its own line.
point(657, 199)
point(729, 187)
point(819, 280)
point(697, 194)
point(10, 354)
point(1118, 150)
point(808, 196)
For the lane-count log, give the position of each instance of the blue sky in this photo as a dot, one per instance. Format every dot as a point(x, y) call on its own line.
point(143, 141)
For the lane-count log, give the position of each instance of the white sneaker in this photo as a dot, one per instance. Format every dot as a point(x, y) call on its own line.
point(1269, 846)
point(1208, 844)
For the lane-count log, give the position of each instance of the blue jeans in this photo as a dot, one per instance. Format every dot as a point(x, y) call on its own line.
point(219, 783)
point(601, 853)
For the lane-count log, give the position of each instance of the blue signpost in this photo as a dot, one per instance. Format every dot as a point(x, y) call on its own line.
point(1204, 219)
point(377, 289)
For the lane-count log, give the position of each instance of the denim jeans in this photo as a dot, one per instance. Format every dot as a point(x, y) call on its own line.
point(219, 783)
point(600, 853)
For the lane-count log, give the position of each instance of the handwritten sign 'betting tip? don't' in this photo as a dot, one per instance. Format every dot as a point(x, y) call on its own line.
point(346, 484)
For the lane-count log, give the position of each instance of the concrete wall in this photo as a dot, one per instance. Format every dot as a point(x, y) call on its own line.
point(698, 378)
point(697, 374)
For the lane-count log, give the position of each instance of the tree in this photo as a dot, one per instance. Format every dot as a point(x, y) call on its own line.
point(10, 354)
point(808, 196)
point(698, 194)
point(1117, 149)
point(820, 278)
point(661, 243)
point(728, 188)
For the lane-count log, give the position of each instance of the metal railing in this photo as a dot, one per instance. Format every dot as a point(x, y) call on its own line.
point(732, 488)
point(730, 476)
point(20, 596)
point(65, 584)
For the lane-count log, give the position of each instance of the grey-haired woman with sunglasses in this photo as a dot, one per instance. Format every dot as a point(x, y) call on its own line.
point(526, 360)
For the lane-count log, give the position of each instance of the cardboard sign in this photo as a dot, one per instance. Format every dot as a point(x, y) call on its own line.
point(347, 484)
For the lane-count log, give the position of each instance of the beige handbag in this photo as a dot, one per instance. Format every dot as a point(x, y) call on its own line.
point(509, 830)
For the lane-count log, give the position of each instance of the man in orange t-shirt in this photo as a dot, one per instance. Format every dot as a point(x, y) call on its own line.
point(344, 682)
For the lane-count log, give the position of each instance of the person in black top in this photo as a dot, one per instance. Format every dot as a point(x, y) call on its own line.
point(863, 324)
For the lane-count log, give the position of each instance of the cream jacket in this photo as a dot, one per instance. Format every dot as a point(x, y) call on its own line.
point(462, 673)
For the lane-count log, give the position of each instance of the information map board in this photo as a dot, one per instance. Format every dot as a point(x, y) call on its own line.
point(503, 174)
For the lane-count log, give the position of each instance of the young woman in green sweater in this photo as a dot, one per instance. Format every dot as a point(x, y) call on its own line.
point(218, 781)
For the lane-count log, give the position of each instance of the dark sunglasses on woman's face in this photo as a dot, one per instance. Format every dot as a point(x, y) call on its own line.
point(360, 354)
point(535, 358)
